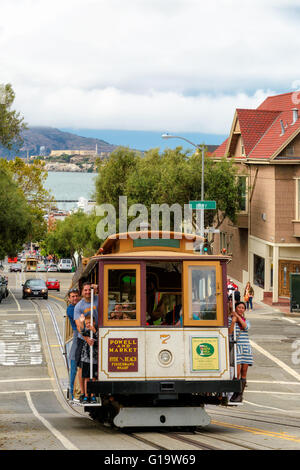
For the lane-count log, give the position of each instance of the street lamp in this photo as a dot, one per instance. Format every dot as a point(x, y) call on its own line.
point(199, 147)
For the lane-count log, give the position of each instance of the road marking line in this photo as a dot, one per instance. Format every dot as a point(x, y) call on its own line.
point(57, 298)
point(30, 312)
point(281, 364)
point(279, 382)
point(65, 442)
point(271, 407)
point(31, 391)
point(288, 319)
point(274, 393)
point(19, 308)
point(25, 380)
point(279, 435)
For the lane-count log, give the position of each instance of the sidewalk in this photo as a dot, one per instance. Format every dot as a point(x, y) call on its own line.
point(266, 305)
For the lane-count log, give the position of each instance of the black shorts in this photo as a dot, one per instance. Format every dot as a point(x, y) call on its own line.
point(86, 370)
point(80, 343)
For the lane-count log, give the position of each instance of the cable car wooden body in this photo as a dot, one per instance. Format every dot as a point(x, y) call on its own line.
point(163, 330)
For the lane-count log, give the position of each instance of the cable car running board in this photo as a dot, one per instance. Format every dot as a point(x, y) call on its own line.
point(161, 416)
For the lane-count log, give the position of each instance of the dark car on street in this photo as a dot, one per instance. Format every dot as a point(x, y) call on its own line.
point(35, 288)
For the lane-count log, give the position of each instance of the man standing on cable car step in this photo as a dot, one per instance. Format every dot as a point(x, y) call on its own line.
point(84, 307)
point(73, 298)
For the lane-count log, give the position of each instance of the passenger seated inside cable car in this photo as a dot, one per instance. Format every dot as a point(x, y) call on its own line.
point(122, 294)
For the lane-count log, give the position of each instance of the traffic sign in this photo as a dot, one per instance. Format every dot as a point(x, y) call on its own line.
point(202, 204)
point(211, 230)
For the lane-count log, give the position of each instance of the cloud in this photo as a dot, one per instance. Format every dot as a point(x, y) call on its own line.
point(112, 109)
point(177, 64)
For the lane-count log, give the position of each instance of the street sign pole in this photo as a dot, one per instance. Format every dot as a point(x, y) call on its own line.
point(202, 195)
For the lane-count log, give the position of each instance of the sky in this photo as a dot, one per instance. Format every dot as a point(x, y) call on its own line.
point(177, 66)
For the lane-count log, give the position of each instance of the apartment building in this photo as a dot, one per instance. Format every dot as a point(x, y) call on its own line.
point(265, 242)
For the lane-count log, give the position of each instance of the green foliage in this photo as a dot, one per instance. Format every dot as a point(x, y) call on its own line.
point(16, 217)
point(169, 177)
point(11, 123)
point(30, 180)
point(77, 233)
point(113, 174)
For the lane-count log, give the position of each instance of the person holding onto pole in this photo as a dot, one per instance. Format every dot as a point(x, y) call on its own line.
point(88, 330)
point(244, 357)
point(84, 308)
point(73, 298)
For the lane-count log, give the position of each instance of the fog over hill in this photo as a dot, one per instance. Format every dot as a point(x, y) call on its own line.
point(39, 140)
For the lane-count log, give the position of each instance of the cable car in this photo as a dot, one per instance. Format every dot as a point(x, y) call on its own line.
point(31, 264)
point(163, 330)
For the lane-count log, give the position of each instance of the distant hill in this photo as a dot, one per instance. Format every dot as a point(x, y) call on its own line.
point(39, 140)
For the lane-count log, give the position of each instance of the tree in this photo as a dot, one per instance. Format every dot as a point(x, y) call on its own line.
point(11, 123)
point(75, 234)
point(30, 180)
point(16, 219)
point(113, 174)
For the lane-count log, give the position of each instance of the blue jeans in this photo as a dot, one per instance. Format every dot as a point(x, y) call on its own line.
point(73, 371)
point(249, 302)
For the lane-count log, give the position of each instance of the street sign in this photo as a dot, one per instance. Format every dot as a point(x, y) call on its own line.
point(202, 204)
point(211, 230)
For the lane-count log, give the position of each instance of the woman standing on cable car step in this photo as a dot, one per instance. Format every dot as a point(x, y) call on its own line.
point(244, 357)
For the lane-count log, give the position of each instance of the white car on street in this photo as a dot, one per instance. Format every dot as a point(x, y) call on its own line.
point(65, 265)
point(52, 268)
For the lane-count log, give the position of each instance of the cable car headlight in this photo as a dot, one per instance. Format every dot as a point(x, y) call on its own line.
point(165, 357)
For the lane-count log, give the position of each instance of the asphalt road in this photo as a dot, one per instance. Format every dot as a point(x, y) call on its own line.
point(33, 414)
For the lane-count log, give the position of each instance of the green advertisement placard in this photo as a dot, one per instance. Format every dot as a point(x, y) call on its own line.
point(205, 353)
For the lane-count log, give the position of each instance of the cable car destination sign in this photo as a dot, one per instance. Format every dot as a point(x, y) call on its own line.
point(123, 355)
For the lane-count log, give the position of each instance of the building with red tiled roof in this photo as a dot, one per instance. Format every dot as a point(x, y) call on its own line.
point(265, 242)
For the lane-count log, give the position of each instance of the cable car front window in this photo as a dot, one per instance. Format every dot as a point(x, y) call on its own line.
point(202, 292)
point(121, 294)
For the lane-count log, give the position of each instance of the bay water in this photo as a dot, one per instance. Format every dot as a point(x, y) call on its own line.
point(70, 186)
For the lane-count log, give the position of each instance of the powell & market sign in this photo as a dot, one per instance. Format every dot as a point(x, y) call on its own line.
point(123, 354)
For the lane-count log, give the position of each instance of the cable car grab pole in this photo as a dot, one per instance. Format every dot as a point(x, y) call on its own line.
point(234, 336)
point(91, 333)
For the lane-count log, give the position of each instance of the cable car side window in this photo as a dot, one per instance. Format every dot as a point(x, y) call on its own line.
point(121, 295)
point(203, 303)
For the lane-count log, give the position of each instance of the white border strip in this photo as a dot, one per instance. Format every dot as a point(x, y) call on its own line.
point(65, 442)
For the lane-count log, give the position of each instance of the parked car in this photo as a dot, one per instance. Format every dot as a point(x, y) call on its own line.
point(15, 267)
point(52, 267)
point(65, 265)
point(35, 288)
point(41, 268)
point(3, 288)
point(53, 284)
